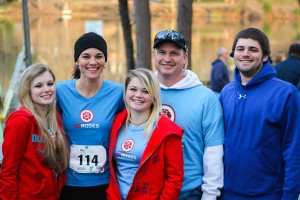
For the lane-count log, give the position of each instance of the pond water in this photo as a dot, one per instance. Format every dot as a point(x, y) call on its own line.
point(52, 40)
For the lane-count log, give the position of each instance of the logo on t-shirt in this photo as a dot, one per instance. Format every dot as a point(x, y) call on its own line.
point(127, 145)
point(168, 111)
point(86, 115)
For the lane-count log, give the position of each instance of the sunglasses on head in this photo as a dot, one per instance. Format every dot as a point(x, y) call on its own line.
point(169, 34)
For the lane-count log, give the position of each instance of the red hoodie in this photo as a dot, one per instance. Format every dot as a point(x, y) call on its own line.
point(160, 173)
point(24, 175)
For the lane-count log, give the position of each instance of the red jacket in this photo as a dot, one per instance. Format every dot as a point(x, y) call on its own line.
point(160, 173)
point(24, 175)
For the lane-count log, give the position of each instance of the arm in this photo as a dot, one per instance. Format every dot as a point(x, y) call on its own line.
point(173, 168)
point(291, 147)
point(213, 133)
point(16, 135)
point(213, 172)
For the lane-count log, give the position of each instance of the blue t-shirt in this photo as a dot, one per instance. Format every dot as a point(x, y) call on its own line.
point(199, 113)
point(88, 121)
point(128, 153)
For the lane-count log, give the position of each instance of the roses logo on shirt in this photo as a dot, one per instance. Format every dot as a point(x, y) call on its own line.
point(127, 145)
point(86, 115)
point(168, 111)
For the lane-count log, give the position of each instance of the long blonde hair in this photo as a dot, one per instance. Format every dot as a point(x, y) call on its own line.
point(56, 152)
point(152, 86)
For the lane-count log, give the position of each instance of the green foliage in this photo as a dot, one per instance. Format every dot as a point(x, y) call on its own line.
point(267, 6)
point(267, 28)
point(6, 2)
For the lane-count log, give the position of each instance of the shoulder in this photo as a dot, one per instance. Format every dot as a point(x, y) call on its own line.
point(206, 94)
point(282, 86)
point(23, 118)
point(169, 127)
point(112, 85)
point(64, 84)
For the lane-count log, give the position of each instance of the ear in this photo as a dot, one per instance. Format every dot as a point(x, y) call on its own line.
point(265, 58)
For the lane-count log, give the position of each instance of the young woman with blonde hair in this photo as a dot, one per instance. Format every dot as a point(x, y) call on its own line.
point(35, 152)
point(145, 152)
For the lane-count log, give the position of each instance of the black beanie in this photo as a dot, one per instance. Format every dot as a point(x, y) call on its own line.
point(90, 40)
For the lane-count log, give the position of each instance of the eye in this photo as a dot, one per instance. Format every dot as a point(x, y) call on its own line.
point(85, 56)
point(254, 50)
point(174, 53)
point(161, 52)
point(132, 89)
point(100, 56)
point(50, 83)
point(38, 86)
point(145, 92)
point(239, 49)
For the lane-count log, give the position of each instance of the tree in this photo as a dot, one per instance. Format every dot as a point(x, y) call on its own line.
point(184, 23)
point(143, 34)
point(124, 15)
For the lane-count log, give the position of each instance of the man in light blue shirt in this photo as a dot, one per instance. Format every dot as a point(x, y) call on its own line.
point(197, 110)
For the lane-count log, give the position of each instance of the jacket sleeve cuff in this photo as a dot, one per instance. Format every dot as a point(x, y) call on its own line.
point(206, 196)
point(290, 195)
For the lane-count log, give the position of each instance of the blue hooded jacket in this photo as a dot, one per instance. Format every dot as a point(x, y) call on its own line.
point(262, 138)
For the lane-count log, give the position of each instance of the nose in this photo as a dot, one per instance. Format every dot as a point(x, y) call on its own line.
point(245, 52)
point(167, 57)
point(93, 60)
point(47, 88)
point(138, 94)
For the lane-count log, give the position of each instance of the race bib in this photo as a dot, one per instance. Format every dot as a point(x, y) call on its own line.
point(87, 159)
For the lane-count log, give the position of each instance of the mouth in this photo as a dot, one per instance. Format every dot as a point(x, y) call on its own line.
point(167, 65)
point(92, 69)
point(138, 101)
point(47, 96)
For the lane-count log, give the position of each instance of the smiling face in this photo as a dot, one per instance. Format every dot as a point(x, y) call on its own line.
point(42, 90)
point(91, 63)
point(169, 60)
point(137, 97)
point(248, 58)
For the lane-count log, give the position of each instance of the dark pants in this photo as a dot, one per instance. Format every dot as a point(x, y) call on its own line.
point(196, 194)
point(84, 193)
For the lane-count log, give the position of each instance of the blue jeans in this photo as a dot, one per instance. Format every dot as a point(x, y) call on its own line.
point(195, 194)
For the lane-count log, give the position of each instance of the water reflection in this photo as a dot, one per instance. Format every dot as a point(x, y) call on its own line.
point(52, 42)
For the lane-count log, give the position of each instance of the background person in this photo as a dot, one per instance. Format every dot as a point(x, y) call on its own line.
point(219, 73)
point(289, 69)
point(88, 105)
point(144, 145)
point(195, 108)
point(262, 115)
point(34, 147)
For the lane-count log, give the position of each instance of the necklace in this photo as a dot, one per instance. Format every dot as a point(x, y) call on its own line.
point(138, 123)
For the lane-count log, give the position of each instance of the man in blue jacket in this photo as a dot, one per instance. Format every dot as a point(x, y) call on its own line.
point(289, 69)
point(262, 126)
point(219, 73)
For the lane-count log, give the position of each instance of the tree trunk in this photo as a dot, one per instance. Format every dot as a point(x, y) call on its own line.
point(124, 15)
point(143, 33)
point(184, 23)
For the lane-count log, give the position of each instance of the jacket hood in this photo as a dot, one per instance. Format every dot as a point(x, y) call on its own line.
point(189, 80)
point(22, 112)
point(266, 72)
